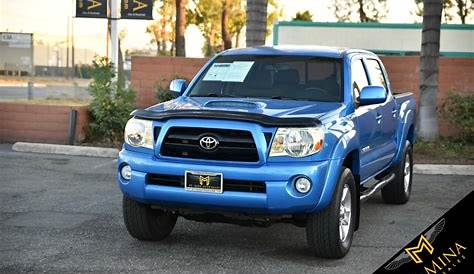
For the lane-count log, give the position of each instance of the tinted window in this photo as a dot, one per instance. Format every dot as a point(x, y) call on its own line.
point(277, 77)
point(375, 73)
point(359, 78)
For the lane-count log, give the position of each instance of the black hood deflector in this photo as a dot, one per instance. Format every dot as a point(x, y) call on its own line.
point(261, 119)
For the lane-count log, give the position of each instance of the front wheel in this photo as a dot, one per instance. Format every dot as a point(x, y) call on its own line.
point(329, 233)
point(145, 223)
point(398, 191)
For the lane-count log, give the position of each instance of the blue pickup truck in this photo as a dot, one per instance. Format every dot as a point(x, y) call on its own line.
point(270, 134)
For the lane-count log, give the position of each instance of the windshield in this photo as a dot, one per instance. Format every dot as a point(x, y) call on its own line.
point(272, 77)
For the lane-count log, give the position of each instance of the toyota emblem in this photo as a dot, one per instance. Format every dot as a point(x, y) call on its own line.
point(208, 143)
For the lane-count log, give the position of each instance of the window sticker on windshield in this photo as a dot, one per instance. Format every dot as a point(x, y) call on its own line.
point(217, 72)
point(238, 71)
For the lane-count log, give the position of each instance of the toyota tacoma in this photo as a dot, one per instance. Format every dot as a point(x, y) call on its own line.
point(271, 134)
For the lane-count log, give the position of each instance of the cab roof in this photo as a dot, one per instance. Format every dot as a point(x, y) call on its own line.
point(317, 51)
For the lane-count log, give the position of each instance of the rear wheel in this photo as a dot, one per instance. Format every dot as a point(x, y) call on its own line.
point(398, 191)
point(144, 223)
point(329, 233)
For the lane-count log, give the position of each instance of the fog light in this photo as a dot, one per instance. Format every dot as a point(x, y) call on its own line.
point(126, 172)
point(303, 185)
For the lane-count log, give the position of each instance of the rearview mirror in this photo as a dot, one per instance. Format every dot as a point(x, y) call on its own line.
point(178, 86)
point(372, 95)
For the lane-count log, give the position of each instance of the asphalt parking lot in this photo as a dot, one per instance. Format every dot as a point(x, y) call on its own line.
point(63, 214)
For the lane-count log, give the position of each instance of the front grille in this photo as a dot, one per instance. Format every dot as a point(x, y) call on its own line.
point(234, 145)
point(229, 184)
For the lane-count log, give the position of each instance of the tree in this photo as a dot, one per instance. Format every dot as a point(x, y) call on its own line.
point(237, 20)
point(163, 28)
point(220, 22)
point(446, 14)
point(180, 27)
point(256, 22)
point(273, 13)
point(451, 8)
point(207, 17)
point(360, 10)
point(303, 16)
point(111, 103)
point(226, 38)
point(465, 7)
point(427, 119)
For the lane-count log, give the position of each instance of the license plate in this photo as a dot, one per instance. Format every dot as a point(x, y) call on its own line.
point(203, 181)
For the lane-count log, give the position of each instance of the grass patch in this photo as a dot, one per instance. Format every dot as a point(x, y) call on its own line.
point(444, 151)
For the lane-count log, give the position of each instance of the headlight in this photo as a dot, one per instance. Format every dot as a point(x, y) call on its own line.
point(138, 133)
point(297, 142)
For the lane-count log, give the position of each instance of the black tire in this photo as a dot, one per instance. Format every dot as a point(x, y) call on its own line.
point(395, 192)
point(322, 229)
point(144, 223)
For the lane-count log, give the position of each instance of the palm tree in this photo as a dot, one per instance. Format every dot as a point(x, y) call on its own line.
point(256, 22)
point(180, 27)
point(226, 37)
point(429, 59)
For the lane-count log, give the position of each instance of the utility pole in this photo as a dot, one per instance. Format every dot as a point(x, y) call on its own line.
point(73, 65)
point(114, 6)
point(66, 73)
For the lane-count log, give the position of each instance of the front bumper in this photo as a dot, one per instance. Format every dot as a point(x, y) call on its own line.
point(280, 196)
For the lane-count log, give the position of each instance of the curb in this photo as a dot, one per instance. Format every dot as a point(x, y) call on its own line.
point(444, 169)
point(426, 169)
point(66, 150)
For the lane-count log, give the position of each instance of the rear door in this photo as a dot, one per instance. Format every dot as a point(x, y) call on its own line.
point(386, 114)
point(366, 120)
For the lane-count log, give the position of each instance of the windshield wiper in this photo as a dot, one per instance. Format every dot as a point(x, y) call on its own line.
point(281, 98)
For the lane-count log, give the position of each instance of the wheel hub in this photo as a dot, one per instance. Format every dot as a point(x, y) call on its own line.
point(407, 174)
point(345, 213)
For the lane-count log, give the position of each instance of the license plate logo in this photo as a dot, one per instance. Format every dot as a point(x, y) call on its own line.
point(203, 181)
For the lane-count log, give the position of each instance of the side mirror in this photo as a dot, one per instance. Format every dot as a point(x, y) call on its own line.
point(372, 95)
point(178, 86)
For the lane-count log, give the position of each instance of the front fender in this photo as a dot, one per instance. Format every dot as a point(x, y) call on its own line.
point(347, 142)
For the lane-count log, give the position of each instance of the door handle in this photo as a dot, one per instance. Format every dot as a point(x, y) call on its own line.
point(378, 118)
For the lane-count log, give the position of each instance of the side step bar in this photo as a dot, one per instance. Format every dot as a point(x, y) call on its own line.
point(367, 193)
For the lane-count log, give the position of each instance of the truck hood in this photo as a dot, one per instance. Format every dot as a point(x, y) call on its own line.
point(270, 107)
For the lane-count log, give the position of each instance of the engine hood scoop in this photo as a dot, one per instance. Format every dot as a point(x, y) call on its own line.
point(232, 104)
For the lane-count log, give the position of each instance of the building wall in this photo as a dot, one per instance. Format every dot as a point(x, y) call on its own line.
point(391, 38)
point(39, 123)
point(456, 74)
point(150, 72)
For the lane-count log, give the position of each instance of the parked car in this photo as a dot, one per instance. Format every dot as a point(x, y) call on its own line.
point(271, 134)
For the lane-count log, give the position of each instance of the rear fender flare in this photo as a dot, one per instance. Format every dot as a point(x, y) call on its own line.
point(406, 120)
